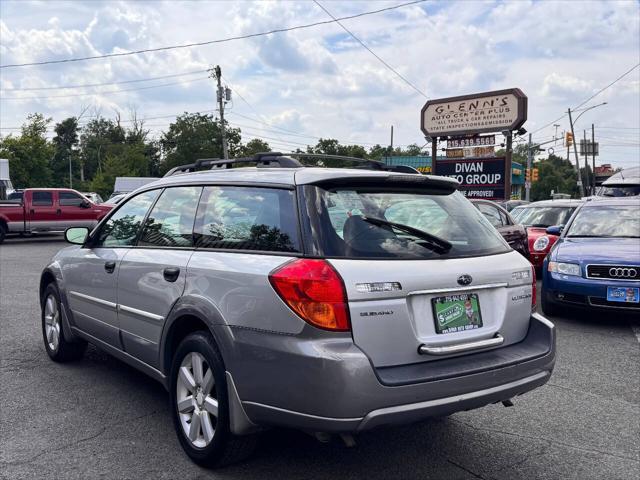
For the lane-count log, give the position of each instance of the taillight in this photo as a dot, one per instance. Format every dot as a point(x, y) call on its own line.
point(534, 298)
point(315, 291)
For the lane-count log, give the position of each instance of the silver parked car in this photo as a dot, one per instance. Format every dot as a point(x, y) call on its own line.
point(324, 299)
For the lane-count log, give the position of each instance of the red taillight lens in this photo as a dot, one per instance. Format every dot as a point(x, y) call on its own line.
point(315, 291)
point(534, 296)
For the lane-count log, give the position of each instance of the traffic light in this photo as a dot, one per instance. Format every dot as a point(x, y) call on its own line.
point(527, 175)
point(568, 139)
point(534, 175)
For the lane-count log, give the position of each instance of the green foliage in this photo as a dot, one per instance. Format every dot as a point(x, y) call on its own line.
point(193, 136)
point(104, 149)
point(29, 154)
point(254, 146)
point(65, 143)
point(557, 174)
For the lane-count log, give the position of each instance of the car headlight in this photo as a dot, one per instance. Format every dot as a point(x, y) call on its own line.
point(541, 243)
point(564, 268)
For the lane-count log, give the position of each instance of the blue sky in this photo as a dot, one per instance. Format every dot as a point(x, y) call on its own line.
point(319, 82)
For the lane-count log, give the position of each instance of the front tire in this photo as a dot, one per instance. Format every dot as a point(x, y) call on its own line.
point(199, 404)
point(58, 349)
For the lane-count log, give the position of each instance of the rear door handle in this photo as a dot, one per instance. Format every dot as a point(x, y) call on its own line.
point(110, 266)
point(171, 274)
point(32, 211)
point(59, 212)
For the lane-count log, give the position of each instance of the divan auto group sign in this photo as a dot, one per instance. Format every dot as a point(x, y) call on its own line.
point(479, 178)
point(495, 111)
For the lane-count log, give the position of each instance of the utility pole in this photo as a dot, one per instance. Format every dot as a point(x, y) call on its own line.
point(575, 151)
point(586, 161)
point(434, 154)
point(391, 140)
point(220, 92)
point(593, 156)
point(527, 185)
point(508, 155)
point(70, 175)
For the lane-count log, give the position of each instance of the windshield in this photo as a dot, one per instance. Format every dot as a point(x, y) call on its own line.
point(544, 216)
point(606, 221)
point(367, 222)
point(620, 190)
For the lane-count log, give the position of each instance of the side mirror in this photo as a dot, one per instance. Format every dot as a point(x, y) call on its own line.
point(555, 230)
point(85, 204)
point(76, 235)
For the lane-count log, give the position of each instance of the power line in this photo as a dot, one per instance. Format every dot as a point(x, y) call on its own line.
point(210, 42)
point(590, 98)
point(107, 92)
point(398, 74)
point(87, 85)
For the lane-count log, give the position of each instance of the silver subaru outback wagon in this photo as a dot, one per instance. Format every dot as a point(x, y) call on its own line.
point(329, 300)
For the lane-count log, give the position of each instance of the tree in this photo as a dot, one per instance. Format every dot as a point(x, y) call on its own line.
point(29, 154)
point(254, 146)
point(193, 136)
point(65, 143)
point(555, 173)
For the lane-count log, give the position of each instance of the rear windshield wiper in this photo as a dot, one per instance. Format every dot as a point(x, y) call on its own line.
point(437, 244)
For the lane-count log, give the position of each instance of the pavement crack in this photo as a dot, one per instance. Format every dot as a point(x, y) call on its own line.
point(544, 439)
point(470, 472)
point(76, 442)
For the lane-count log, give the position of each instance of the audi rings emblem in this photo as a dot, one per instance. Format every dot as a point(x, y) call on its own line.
point(623, 272)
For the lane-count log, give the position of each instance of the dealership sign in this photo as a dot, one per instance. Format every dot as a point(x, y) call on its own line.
point(475, 141)
point(496, 111)
point(472, 152)
point(479, 178)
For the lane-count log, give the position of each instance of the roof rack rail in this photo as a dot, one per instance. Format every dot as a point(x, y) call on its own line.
point(281, 160)
point(264, 159)
point(365, 163)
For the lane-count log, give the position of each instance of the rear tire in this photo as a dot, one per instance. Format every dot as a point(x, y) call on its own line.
point(3, 232)
point(200, 405)
point(58, 349)
point(549, 307)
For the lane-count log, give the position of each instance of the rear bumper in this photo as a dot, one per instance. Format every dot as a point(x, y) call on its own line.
point(339, 390)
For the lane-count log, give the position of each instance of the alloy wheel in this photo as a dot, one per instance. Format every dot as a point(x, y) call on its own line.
point(197, 403)
point(52, 322)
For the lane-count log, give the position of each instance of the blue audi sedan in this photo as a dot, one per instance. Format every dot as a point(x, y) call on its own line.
point(596, 262)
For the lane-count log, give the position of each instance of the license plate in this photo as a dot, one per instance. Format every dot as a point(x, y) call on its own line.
point(456, 313)
point(623, 294)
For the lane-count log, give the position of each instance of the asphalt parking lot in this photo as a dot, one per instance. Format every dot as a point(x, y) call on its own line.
point(99, 418)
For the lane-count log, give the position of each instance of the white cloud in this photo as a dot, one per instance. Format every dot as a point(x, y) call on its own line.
point(319, 81)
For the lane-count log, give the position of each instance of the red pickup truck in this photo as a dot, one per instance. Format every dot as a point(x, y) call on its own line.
point(49, 209)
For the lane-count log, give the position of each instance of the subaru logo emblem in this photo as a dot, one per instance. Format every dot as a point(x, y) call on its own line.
point(465, 279)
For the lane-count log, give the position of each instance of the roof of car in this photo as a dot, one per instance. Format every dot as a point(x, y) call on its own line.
point(606, 202)
point(554, 203)
point(286, 176)
point(628, 176)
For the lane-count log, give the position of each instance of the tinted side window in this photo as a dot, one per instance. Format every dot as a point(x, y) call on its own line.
point(247, 218)
point(121, 229)
point(42, 199)
point(492, 214)
point(170, 223)
point(69, 199)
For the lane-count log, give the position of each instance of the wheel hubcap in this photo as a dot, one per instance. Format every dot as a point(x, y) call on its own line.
point(52, 322)
point(197, 402)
